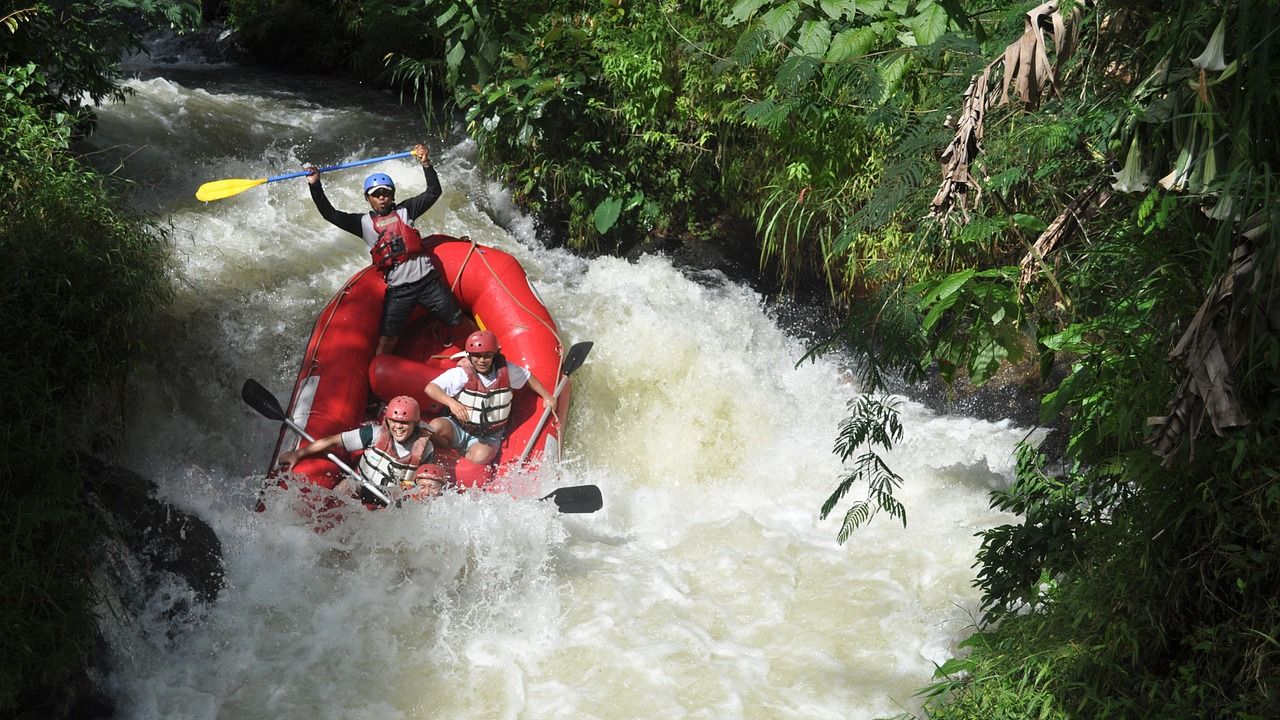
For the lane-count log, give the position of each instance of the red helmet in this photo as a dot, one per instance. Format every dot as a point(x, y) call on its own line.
point(482, 341)
point(431, 471)
point(404, 409)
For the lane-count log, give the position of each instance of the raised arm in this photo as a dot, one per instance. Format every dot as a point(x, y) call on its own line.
point(420, 203)
point(345, 220)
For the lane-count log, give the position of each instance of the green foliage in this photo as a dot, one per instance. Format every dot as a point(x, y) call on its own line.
point(988, 331)
point(875, 423)
point(1131, 587)
point(1132, 603)
point(78, 283)
point(840, 70)
point(71, 50)
point(611, 121)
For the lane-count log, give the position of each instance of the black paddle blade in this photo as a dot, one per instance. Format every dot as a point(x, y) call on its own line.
point(261, 399)
point(575, 357)
point(577, 499)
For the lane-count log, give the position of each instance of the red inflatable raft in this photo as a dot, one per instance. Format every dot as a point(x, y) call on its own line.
point(342, 385)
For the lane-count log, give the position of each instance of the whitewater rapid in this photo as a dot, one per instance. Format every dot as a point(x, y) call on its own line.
point(707, 587)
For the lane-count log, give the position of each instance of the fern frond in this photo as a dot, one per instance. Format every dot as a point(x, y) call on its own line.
point(837, 495)
point(750, 44)
point(857, 516)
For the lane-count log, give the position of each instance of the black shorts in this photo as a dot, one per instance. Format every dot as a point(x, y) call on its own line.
point(430, 292)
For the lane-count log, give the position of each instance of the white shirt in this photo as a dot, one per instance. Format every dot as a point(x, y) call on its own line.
point(452, 381)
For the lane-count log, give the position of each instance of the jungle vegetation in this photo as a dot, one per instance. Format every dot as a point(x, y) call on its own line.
point(80, 278)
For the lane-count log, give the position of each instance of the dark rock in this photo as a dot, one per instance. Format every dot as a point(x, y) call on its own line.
point(147, 543)
point(165, 538)
point(213, 43)
point(292, 35)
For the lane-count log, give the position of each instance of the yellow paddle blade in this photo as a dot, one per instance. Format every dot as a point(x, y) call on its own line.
point(219, 189)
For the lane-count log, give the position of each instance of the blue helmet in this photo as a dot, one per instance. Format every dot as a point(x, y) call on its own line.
point(378, 180)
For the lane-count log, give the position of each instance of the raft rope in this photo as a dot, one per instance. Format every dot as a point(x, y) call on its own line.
point(453, 289)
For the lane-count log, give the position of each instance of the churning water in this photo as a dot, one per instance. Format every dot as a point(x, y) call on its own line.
point(707, 587)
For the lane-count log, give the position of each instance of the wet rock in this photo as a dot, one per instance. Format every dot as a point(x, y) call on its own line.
point(213, 43)
point(166, 539)
point(158, 562)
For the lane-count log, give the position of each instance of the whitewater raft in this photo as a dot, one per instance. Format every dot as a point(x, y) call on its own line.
point(341, 384)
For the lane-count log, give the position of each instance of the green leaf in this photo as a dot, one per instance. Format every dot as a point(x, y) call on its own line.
point(795, 72)
point(986, 362)
point(851, 43)
point(750, 44)
point(947, 287)
point(781, 19)
point(954, 666)
point(443, 18)
point(606, 215)
point(1071, 339)
point(815, 35)
point(891, 74)
point(766, 114)
point(836, 9)
point(929, 24)
point(871, 8)
point(935, 312)
point(454, 57)
point(1029, 222)
point(742, 11)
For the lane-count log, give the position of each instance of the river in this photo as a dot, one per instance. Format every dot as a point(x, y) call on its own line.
point(707, 587)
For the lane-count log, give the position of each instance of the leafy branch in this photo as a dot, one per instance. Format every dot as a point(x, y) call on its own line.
point(875, 422)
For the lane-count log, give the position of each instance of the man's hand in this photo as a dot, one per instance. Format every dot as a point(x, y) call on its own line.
point(289, 459)
point(459, 410)
point(313, 173)
point(420, 152)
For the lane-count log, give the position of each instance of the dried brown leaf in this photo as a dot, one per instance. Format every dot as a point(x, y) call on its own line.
point(1027, 70)
point(1210, 349)
point(1064, 228)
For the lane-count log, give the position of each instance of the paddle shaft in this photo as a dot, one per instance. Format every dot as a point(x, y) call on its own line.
point(344, 166)
point(219, 189)
point(542, 421)
point(364, 482)
point(572, 361)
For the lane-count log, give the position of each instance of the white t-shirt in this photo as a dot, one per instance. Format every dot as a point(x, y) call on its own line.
point(452, 381)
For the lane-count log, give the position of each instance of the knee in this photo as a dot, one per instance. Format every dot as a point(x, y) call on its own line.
point(481, 453)
point(441, 432)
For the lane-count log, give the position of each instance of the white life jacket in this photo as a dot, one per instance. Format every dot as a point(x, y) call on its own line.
point(488, 408)
point(381, 465)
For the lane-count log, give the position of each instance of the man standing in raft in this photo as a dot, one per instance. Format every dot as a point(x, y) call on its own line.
point(393, 449)
point(478, 393)
point(397, 248)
